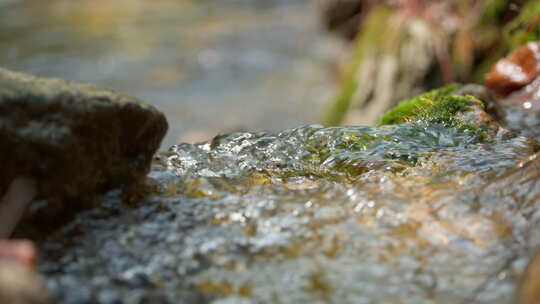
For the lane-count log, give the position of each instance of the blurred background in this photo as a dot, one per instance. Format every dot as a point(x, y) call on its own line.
point(211, 65)
point(217, 66)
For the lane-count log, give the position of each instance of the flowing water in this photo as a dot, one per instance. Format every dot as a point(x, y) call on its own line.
point(414, 213)
point(211, 65)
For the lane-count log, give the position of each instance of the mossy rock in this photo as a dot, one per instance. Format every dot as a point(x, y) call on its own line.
point(436, 106)
point(412, 108)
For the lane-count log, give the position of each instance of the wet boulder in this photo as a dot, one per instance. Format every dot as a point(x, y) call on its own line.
point(74, 140)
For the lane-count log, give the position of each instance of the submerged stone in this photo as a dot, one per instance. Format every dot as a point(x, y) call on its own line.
point(420, 212)
point(75, 140)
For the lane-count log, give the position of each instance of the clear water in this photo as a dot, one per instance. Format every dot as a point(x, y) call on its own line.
point(413, 213)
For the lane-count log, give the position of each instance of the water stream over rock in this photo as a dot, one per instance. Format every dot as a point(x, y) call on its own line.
point(421, 212)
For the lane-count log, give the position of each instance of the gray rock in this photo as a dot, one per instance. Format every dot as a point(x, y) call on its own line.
point(75, 140)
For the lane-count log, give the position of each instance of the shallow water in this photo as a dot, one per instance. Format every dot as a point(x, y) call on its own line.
point(413, 213)
point(211, 65)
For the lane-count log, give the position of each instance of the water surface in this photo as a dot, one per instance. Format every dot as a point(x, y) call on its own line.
point(413, 213)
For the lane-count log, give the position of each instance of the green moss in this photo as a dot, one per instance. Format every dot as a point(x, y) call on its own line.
point(411, 108)
point(445, 108)
point(436, 107)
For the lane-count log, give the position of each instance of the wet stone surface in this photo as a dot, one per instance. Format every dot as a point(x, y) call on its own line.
point(74, 140)
point(412, 213)
point(525, 120)
point(522, 109)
